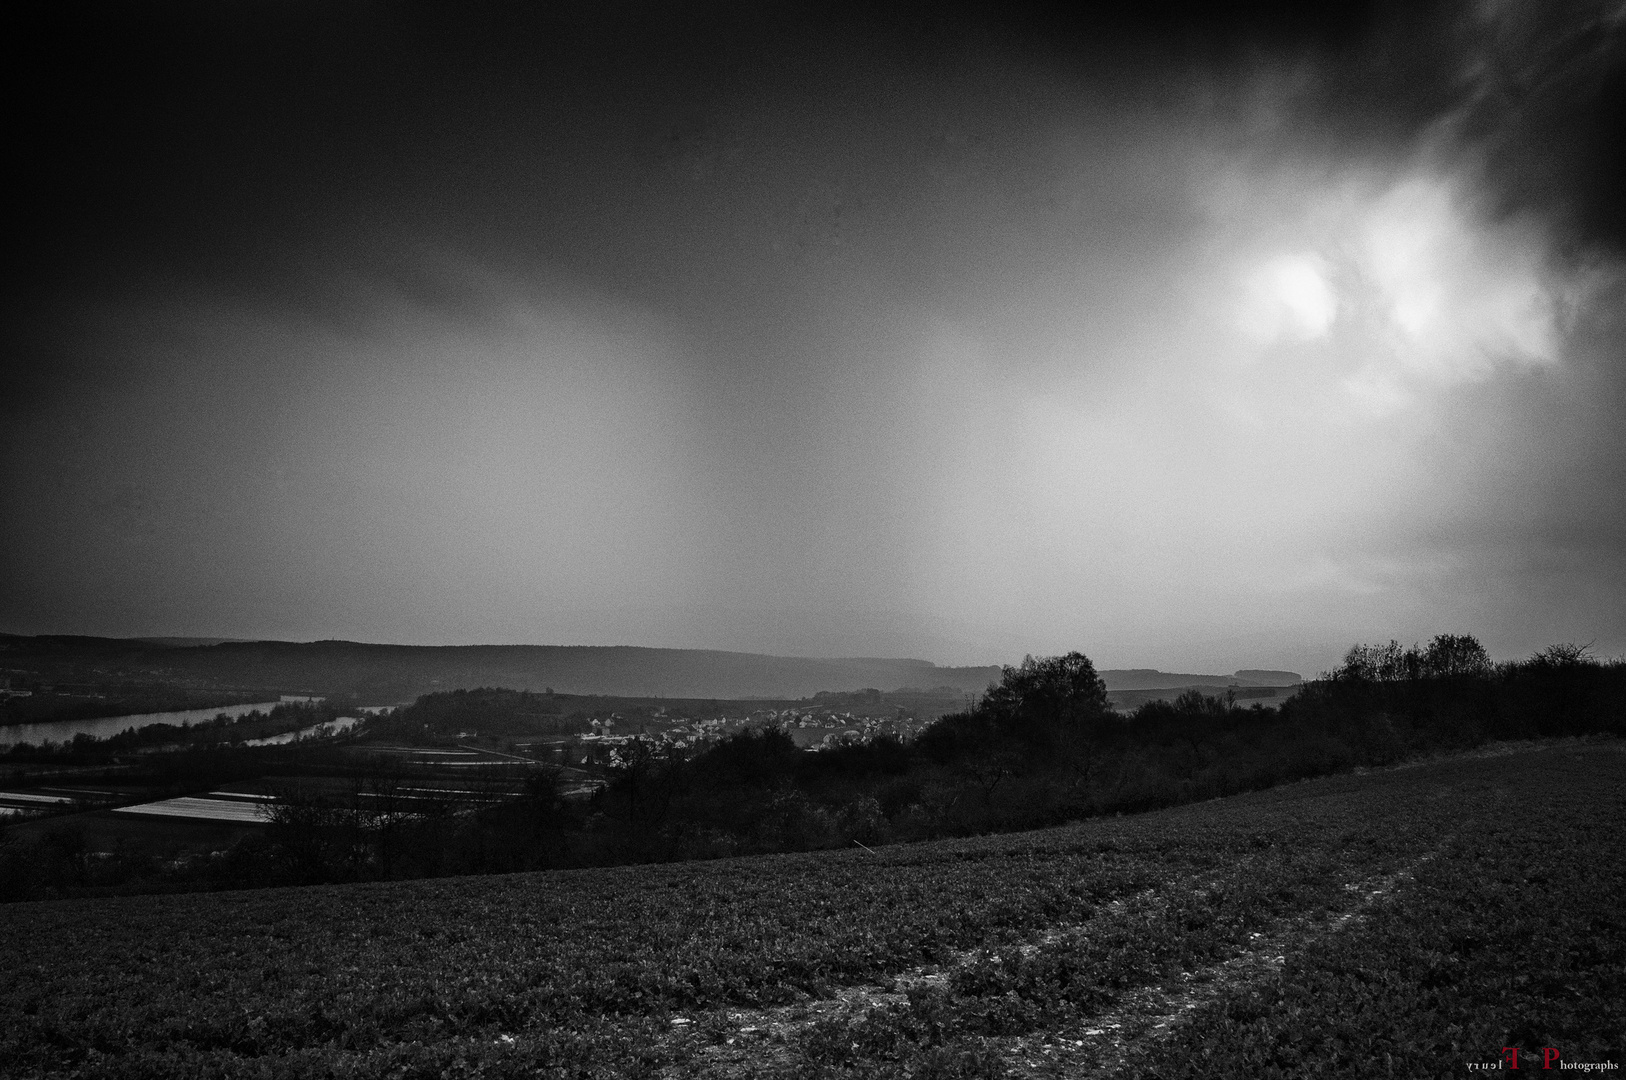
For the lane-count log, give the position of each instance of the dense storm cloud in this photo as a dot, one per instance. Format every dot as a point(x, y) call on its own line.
point(1203, 339)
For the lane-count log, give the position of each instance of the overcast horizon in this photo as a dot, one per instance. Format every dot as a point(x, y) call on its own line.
point(1198, 340)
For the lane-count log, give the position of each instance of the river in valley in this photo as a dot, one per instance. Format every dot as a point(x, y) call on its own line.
point(61, 731)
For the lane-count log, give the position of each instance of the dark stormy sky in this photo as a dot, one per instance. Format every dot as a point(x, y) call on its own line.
point(1201, 338)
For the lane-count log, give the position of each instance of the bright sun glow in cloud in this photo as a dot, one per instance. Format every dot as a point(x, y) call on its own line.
point(1288, 297)
point(1460, 295)
point(1395, 279)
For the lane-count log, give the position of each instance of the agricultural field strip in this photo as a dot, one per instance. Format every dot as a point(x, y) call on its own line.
point(1514, 936)
point(188, 806)
point(1148, 1010)
point(774, 1028)
point(1101, 1045)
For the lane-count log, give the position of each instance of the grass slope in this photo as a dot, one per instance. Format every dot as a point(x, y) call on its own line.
point(1401, 923)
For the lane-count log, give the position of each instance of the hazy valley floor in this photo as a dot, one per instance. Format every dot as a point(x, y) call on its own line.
point(1407, 922)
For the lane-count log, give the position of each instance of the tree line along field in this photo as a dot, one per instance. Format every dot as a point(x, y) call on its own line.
point(1404, 922)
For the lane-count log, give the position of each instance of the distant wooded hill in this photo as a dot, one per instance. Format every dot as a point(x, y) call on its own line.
point(390, 673)
point(1152, 679)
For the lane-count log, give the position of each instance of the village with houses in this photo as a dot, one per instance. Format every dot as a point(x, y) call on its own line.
point(665, 730)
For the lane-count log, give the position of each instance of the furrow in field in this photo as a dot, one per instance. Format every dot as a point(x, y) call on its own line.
point(739, 1043)
point(1101, 1045)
